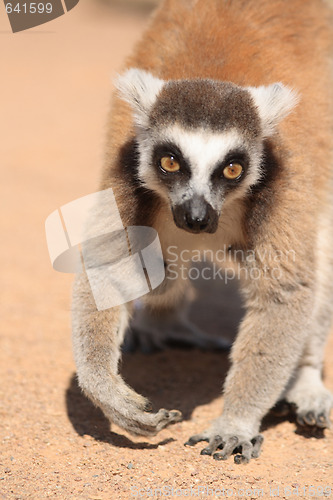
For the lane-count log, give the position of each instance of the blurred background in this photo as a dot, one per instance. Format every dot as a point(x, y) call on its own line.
point(132, 4)
point(54, 97)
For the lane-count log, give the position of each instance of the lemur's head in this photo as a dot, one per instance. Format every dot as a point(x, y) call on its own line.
point(201, 141)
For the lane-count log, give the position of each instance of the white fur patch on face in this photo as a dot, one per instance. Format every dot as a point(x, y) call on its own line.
point(204, 150)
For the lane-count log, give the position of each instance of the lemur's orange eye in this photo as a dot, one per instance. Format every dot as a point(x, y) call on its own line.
point(170, 164)
point(233, 171)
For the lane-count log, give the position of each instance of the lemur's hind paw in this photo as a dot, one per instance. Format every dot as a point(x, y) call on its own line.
point(149, 333)
point(149, 340)
point(314, 419)
point(243, 449)
point(312, 407)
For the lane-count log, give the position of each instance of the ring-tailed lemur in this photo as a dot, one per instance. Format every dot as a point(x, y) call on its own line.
point(210, 149)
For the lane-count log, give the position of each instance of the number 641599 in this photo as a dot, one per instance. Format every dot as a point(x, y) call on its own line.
point(29, 8)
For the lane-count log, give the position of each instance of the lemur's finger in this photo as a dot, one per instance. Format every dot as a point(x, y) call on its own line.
point(257, 443)
point(246, 454)
point(214, 443)
point(229, 447)
point(323, 421)
point(197, 438)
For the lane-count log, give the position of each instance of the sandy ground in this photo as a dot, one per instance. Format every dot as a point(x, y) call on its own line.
point(55, 86)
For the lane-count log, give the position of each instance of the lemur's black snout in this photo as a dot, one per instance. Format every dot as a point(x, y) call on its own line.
point(197, 224)
point(196, 216)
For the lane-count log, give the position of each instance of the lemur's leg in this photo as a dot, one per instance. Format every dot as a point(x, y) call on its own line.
point(97, 337)
point(266, 352)
point(306, 389)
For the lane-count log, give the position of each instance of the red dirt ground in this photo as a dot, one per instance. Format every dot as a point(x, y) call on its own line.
point(55, 87)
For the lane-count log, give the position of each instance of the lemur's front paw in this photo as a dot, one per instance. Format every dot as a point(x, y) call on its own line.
point(141, 422)
point(126, 408)
point(149, 424)
point(244, 447)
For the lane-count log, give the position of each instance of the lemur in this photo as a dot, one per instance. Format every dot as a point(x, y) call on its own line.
point(220, 134)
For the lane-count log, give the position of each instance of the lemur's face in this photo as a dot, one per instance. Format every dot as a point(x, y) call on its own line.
point(197, 171)
point(201, 141)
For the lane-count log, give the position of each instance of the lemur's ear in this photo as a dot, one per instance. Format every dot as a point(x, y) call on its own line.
point(274, 103)
point(140, 89)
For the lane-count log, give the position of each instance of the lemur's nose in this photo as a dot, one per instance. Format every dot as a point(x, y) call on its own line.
point(196, 215)
point(197, 223)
